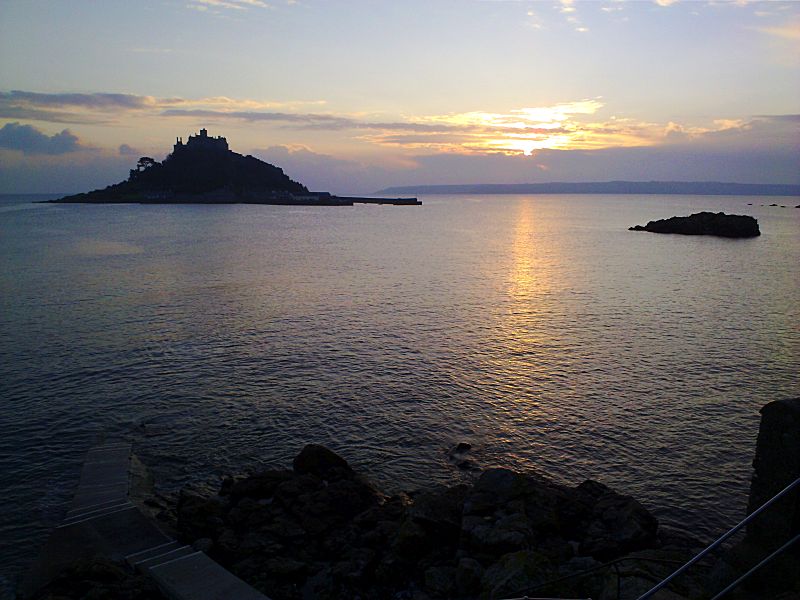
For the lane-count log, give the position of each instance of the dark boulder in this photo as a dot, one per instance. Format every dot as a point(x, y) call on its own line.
point(440, 580)
point(517, 572)
point(439, 509)
point(461, 448)
point(617, 524)
point(705, 223)
point(468, 577)
point(199, 516)
point(322, 462)
point(260, 485)
point(507, 511)
point(458, 456)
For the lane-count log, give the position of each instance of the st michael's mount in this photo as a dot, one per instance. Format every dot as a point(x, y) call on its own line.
point(205, 171)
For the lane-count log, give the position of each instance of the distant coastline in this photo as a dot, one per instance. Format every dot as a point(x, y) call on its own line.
point(700, 188)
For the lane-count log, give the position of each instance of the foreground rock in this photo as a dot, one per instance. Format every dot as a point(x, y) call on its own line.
point(776, 466)
point(705, 223)
point(323, 531)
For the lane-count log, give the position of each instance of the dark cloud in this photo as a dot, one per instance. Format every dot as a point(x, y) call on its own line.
point(29, 140)
point(318, 121)
point(322, 171)
point(309, 120)
point(51, 116)
point(666, 163)
point(780, 118)
point(126, 150)
point(64, 174)
point(419, 127)
point(416, 139)
point(61, 108)
point(102, 101)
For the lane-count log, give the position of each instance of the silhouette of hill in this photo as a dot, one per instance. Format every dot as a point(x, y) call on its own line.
point(201, 170)
point(606, 187)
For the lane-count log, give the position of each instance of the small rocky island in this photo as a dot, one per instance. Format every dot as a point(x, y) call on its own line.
point(705, 223)
point(205, 171)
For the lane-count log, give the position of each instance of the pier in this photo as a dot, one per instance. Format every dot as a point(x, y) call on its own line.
point(394, 201)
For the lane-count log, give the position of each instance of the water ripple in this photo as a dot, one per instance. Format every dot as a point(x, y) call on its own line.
point(537, 329)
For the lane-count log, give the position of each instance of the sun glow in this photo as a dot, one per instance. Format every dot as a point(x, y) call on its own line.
point(562, 126)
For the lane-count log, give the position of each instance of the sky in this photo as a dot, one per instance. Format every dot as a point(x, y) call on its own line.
point(354, 96)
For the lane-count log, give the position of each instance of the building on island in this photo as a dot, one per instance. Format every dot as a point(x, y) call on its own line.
point(202, 142)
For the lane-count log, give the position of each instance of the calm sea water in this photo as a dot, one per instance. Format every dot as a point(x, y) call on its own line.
point(536, 328)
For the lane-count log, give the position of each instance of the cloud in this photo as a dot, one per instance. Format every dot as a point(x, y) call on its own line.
point(106, 107)
point(29, 140)
point(73, 108)
point(788, 31)
point(780, 118)
point(60, 174)
point(126, 150)
point(310, 120)
point(151, 50)
point(519, 130)
point(577, 126)
point(237, 5)
point(683, 162)
point(322, 171)
point(315, 121)
point(101, 101)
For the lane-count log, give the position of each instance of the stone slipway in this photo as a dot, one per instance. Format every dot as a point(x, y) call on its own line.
point(102, 521)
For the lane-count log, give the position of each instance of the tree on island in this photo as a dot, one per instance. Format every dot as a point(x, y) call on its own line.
point(145, 162)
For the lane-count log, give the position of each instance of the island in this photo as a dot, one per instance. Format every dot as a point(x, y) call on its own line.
point(205, 171)
point(705, 223)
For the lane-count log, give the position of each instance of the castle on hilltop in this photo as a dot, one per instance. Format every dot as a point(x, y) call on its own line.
point(202, 142)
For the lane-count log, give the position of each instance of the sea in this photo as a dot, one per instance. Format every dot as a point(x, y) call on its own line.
point(537, 328)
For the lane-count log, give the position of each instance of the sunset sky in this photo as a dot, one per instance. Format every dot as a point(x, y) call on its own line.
point(355, 96)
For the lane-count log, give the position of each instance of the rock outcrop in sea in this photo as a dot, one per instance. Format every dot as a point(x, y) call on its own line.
point(705, 223)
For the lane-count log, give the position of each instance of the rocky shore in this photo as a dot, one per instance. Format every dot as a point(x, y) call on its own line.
point(320, 530)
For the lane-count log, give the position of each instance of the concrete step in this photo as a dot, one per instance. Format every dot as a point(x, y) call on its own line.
point(151, 552)
point(164, 557)
point(73, 511)
point(85, 498)
point(197, 577)
point(102, 521)
point(77, 516)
